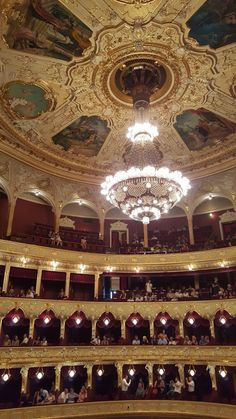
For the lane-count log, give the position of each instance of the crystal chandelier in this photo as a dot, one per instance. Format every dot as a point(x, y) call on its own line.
point(144, 191)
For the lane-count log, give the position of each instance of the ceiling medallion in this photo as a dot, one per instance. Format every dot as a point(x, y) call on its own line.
point(144, 191)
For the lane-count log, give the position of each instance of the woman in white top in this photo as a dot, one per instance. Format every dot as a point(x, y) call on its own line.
point(190, 385)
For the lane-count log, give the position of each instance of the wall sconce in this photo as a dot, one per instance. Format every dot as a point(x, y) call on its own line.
point(222, 264)
point(23, 260)
point(109, 269)
point(191, 371)
point(137, 270)
point(100, 371)
point(191, 320)
point(82, 267)
point(39, 373)
point(222, 320)
point(6, 375)
point(161, 370)
point(15, 319)
point(190, 267)
point(211, 215)
point(163, 321)
point(54, 264)
point(106, 321)
point(78, 320)
point(47, 319)
point(135, 321)
point(131, 371)
point(222, 372)
point(72, 372)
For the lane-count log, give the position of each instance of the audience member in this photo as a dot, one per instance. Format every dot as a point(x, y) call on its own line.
point(6, 341)
point(72, 396)
point(15, 341)
point(140, 392)
point(25, 340)
point(136, 340)
point(63, 396)
point(83, 395)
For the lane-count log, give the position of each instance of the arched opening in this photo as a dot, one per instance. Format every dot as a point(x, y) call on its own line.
point(165, 325)
point(137, 377)
point(40, 379)
point(10, 390)
point(52, 283)
point(78, 329)
point(201, 386)
point(136, 328)
point(196, 327)
point(225, 328)
point(33, 218)
point(47, 329)
point(22, 282)
point(74, 378)
point(108, 329)
point(15, 329)
point(104, 382)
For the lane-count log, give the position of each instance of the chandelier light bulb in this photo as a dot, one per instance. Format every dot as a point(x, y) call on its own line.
point(72, 372)
point(78, 320)
point(39, 374)
point(46, 319)
point(222, 372)
point(15, 319)
point(100, 371)
point(131, 371)
point(106, 321)
point(135, 321)
point(192, 371)
point(222, 320)
point(6, 376)
point(191, 320)
point(161, 370)
point(163, 320)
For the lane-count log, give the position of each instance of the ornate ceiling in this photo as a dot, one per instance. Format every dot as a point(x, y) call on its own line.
point(64, 109)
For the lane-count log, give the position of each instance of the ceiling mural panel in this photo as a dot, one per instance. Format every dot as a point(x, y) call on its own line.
point(27, 100)
point(85, 136)
point(75, 51)
point(200, 128)
point(46, 28)
point(214, 24)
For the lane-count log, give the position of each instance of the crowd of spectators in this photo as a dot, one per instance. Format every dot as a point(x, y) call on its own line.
point(15, 341)
point(44, 396)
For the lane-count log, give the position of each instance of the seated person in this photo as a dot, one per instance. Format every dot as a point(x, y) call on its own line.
point(15, 341)
point(29, 294)
point(41, 396)
point(136, 340)
point(172, 341)
point(11, 291)
point(187, 341)
point(63, 397)
point(145, 340)
point(22, 294)
point(202, 340)
point(72, 396)
point(51, 398)
point(83, 394)
point(96, 341)
point(162, 340)
point(44, 342)
point(105, 340)
point(140, 392)
point(25, 340)
point(194, 340)
point(83, 243)
point(6, 341)
point(61, 294)
point(37, 341)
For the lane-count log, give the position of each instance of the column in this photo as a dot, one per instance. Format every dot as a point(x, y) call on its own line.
point(57, 377)
point(145, 235)
point(62, 328)
point(212, 327)
point(6, 277)
point(31, 327)
point(123, 328)
point(181, 326)
point(190, 228)
point(94, 324)
point(24, 380)
point(119, 368)
point(96, 284)
point(101, 228)
point(212, 372)
point(196, 281)
point(67, 286)
point(11, 210)
point(149, 368)
point(89, 368)
point(152, 326)
point(1, 319)
point(181, 373)
point(57, 216)
point(38, 282)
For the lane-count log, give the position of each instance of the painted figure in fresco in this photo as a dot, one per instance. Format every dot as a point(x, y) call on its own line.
point(84, 136)
point(214, 24)
point(50, 30)
point(200, 128)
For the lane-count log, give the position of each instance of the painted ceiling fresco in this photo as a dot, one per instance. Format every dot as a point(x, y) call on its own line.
point(214, 24)
point(26, 100)
point(200, 128)
point(49, 29)
point(85, 136)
